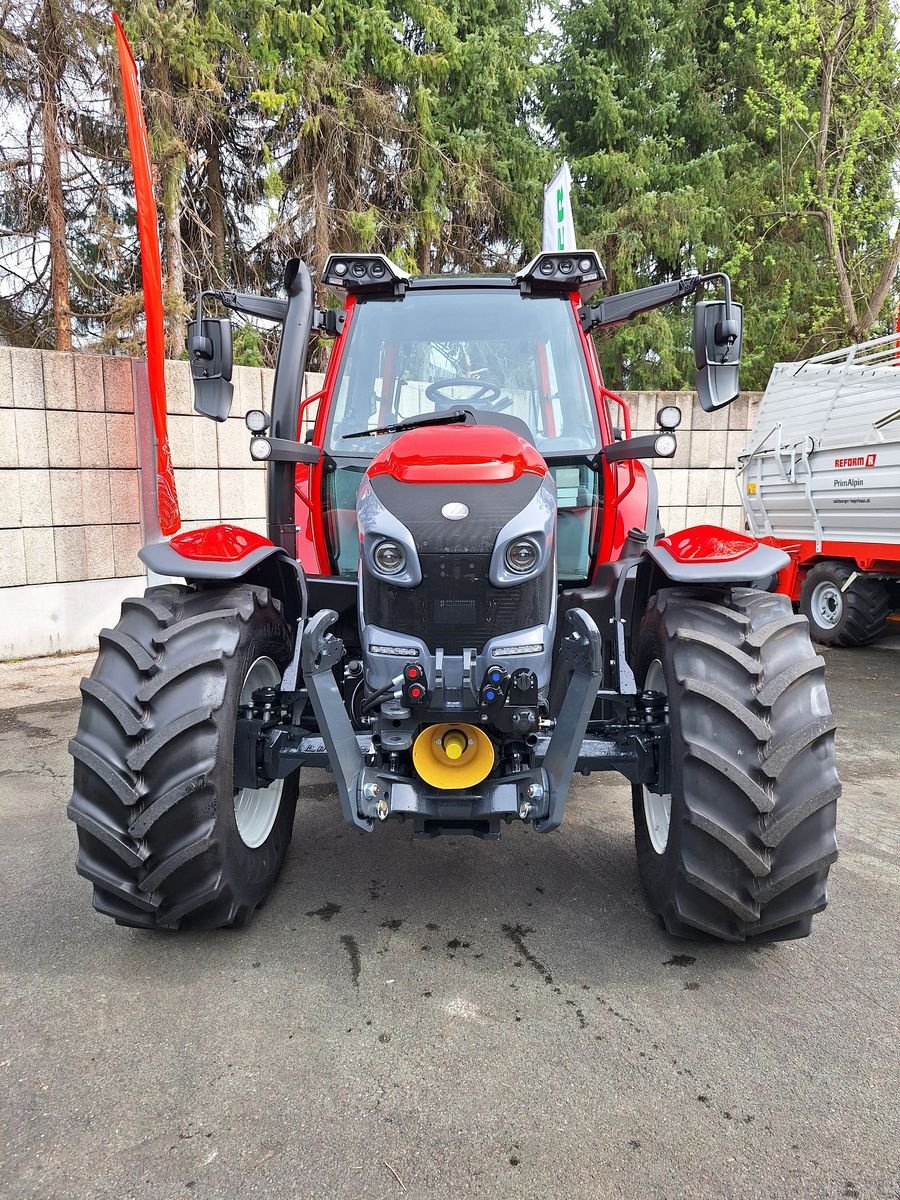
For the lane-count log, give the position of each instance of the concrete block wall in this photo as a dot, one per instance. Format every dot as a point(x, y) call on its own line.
point(69, 502)
point(70, 511)
point(697, 486)
point(76, 502)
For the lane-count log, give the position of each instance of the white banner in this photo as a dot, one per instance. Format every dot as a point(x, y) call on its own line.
point(559, 228)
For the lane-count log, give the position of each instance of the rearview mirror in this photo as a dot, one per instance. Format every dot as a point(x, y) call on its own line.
point(210, 354)
point(718, 333)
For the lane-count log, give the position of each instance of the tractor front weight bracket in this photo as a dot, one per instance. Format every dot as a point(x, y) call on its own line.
point(321, 652)
point(582, 648)
point(268, 745)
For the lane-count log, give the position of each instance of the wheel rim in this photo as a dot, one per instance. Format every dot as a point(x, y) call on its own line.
point(657, 806)
point(255, 809)
point(827, 603)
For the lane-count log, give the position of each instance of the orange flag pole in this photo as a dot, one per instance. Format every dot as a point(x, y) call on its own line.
point(151, 272)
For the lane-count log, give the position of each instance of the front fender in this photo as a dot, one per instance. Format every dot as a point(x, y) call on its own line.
point(710, 554)
point(218, 552)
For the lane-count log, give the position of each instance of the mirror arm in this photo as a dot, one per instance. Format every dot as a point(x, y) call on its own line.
point(267, 308)
point(613, 310)
point(726, 282)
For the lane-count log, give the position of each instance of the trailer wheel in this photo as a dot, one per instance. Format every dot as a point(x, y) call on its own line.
point(163, 835)
point(741, 848)
point(842, 613)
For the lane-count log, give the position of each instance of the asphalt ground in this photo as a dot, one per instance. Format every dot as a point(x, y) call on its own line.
point(446, 1019)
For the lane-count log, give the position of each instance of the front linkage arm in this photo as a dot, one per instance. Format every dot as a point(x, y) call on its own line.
point(321, 652)
point(582, 649)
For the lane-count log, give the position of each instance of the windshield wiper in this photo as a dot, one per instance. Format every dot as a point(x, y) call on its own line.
point(457, 416)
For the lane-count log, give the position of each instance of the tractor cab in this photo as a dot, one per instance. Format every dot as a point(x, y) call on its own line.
point(485, 345)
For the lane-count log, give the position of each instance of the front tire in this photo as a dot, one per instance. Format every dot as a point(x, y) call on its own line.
point(163, 836)
point(750, 831)
point(841, 612)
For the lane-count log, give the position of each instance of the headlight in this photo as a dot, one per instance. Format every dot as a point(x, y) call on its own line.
point(260, 448)
point(665, 445)
point(389, 557)
point(522, 555)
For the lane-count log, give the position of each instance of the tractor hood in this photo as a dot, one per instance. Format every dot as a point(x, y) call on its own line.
point(449, 454)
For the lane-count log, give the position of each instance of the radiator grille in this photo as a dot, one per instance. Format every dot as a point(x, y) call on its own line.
point(455, 607)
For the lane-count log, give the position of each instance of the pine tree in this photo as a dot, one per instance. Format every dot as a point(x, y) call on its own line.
point(761, 139)
point(46, 68)
point(640, 101)
point(825, 95)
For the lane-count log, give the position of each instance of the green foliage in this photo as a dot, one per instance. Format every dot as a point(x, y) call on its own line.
point(248, 346)
point(755, 136)
point(693, 136)
point(639, 96)
point(402, 127)
point(823, 97)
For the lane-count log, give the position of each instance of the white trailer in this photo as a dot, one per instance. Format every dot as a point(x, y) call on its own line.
point(820, 478)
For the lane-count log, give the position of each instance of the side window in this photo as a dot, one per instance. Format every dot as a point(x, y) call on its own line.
point(578, 502)
point(339, 512)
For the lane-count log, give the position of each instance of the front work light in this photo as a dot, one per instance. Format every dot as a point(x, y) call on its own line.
point(669, 417)
point(257, 421)
point(561, 273)
point(665, 445)
point(363, 274)
point(260, 449)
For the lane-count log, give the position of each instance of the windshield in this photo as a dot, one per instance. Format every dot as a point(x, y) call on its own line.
point(490, 349)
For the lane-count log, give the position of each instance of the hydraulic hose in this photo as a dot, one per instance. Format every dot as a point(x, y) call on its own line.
point(378, 697)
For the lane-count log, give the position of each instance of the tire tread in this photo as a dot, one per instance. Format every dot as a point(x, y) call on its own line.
point(146, 832)
point(755, 751)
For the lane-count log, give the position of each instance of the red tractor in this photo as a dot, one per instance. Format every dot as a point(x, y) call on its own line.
point(464, 598)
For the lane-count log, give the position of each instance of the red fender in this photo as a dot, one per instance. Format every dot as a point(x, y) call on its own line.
point(218, 552)
point(710, 554)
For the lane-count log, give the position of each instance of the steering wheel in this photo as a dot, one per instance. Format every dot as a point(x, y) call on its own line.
point(483, 393)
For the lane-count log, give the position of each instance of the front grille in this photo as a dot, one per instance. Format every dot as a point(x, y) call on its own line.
point(462, 614)
point(455, 607)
